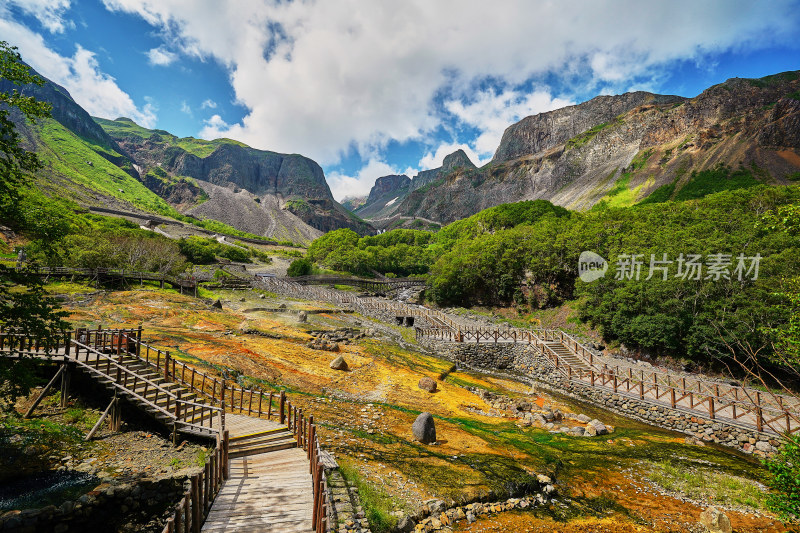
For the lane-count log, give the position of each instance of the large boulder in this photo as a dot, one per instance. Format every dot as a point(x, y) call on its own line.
point(427, 384)
point(339, 363)
point(424, 429)
point(302, 317)
point(715, 521)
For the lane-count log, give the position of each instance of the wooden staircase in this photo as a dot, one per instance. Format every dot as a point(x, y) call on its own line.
point(566, 355)
point(265, 441)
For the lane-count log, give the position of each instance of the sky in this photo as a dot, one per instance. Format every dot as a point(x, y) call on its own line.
point(368, 88)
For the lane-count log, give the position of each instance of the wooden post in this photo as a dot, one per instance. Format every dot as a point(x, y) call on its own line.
point(166, 366)
point(282, 407)
point(195, 504)
point(759, 417)
point(65, 378)
point(269, 407)
point(41, 396)
point(226, 466)
point(187, 518)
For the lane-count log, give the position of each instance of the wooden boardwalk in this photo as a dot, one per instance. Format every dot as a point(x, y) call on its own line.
point(266, 492)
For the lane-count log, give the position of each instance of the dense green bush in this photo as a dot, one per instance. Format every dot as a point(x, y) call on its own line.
point(299, 267)
point(527, 254)
point(203, 251)
point(785, 480)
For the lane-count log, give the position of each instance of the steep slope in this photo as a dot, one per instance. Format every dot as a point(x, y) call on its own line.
point(617, 150)
point(290, 183)
point(81, 162)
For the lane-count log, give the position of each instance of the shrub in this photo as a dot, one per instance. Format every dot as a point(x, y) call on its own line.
point(299, 267)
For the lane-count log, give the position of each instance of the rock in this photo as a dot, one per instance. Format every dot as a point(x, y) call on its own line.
point(544, 479)
point(302, 317)
point(763, 446)
point(217, 304)
point(583, 419)
point(424, 429)
point(427, 384)
point(339, 363)
point(599, 427)
point(406, 525)
point(262, 296)
point(470, 518)
point(715, 521)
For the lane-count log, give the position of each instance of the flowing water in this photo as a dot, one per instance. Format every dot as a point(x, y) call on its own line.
point(44, 488)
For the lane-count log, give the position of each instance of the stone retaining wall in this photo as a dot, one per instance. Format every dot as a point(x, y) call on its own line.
point(103, 509)
point(527, 360)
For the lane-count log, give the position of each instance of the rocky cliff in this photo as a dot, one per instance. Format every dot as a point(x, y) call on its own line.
point(617, 150)
point(389, 192)
point(292, 182)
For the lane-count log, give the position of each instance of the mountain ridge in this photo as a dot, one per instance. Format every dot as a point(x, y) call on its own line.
point(589, 154)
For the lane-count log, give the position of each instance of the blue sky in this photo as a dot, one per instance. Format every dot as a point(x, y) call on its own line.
point(372, 87)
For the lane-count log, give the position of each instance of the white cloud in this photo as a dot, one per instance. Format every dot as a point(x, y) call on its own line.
point(214, 128)
point(92, 89)
point(49, 13)
point(321, 77)
point(161, 57)
point(343, 185)
point(491, 113)
point(185, 108)
point(208, 104)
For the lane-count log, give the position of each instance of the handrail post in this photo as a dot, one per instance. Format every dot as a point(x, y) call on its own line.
point(226, 465)
point(282, 407)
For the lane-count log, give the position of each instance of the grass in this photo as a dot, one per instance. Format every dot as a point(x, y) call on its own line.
point(583, 138)
point(65, 154)
point(69, 287)
point(377, 503)
point(701, 483)
point(714, 180)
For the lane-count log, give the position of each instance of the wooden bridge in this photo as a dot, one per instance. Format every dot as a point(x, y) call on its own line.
point(384, 285)
point(261, 441)
point(736, 405)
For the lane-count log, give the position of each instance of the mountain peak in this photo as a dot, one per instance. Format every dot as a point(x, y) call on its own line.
point(456, 160)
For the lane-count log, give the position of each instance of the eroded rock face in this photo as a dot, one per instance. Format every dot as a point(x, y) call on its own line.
point(424, 429)
point(574, 156)
point(541, 132)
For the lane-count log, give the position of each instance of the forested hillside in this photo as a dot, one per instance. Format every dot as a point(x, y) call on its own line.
point(526, 255)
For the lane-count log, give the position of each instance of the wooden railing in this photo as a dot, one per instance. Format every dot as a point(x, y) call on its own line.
point(252, 402)
point(181, 413)
point(116, 273)
point(190, 513)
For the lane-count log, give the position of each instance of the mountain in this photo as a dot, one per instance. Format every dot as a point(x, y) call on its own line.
point(258, 191)
point(351, 203)
point(620, 150)
point(389, 192)
point(120, 165)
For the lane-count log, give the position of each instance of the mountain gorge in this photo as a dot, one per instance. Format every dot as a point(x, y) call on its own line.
point(117, 164)
point(619, 150)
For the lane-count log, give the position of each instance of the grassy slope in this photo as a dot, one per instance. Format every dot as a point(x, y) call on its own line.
point(124, 127)
point(67, 155)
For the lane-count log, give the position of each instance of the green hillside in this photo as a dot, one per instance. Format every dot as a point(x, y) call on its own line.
point(68, 159)
point(125, 127)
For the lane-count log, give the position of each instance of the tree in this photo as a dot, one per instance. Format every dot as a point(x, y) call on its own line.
point(16, 163)
point(25, 308)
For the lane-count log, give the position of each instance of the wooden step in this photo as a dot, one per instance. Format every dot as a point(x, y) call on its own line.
point(282, 444)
